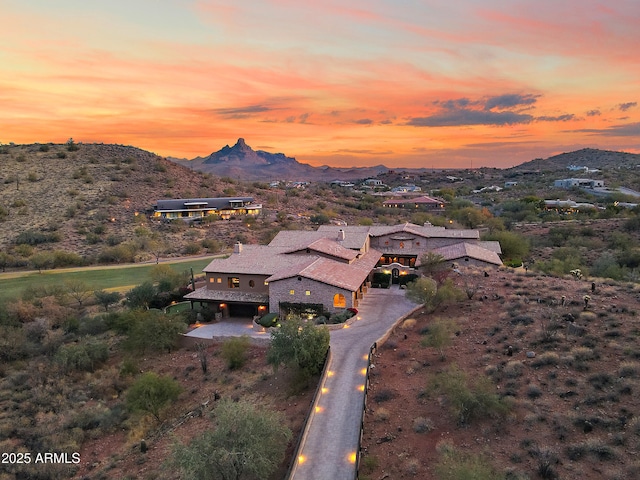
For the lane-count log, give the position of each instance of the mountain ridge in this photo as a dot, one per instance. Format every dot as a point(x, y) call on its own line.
point(242, 162)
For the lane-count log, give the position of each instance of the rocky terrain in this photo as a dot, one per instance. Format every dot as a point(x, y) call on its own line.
point(564, 375)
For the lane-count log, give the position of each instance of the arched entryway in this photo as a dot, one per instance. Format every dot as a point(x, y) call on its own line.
point(395, 276)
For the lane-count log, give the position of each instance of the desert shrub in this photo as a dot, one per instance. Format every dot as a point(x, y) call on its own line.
point(67, 259)
point(439, 335)
point(533, 392)
point(468, 399)
point(546, 358)
point(13, 343)
point(86, 355)
point(422, 425)
point(629, 369)
point(369, 463)
point(455, 464)
point(384, 395)
point(513, 369)
point(448, 294)
point(34, 237)
point(141, 296)
point(212, 245)
point(234, 351)
point(522, 320)
point(122, 253)
point(594, 447)
point(601, 380)
point(300, 344)
point(381, 414)
point(152, 331)
point(582, 354)
point(92, 325)
point(152, 393)
point(245, 443)
point(192, 248)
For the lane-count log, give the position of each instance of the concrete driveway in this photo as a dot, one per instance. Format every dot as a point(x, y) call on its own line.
point(328, 449)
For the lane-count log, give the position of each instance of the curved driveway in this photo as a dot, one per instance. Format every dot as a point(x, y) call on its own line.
point(328, 450)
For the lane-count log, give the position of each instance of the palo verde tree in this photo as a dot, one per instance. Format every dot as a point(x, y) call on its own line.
point(300, 344)
point(245, 443)
point(152, 393)
point(422, 291)
point(106, 299)
point(439, 335)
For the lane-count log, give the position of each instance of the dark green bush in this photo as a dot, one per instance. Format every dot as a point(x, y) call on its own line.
point(33, 237)
point(85, 355)
point(234, 351)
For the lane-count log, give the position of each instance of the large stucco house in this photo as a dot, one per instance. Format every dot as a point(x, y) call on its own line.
point(331, 268)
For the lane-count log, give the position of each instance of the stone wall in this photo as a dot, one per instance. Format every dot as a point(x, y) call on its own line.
point(280, 291)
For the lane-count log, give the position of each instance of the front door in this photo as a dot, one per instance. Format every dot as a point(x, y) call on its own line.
point(395, 276)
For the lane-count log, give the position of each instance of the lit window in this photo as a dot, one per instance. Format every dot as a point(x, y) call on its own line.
point(210, 279)
point(219, 279)
point(292, 292)
point(233, 282)
point(339, 301)
point(307, 293)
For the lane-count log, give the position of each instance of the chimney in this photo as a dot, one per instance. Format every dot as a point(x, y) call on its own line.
point(237, 248)
point(340, 235)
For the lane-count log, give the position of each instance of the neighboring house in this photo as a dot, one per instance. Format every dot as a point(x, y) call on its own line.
point(510, 184)
point(406, 189)
point(468, 254)
point(374, 182)
point(567, 206)
point(194, 208)
point(492, 188)
point(328, 269)
point(578, 182)
point(418, 203)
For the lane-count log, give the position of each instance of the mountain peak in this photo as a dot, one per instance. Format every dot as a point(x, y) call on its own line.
point(241, 144)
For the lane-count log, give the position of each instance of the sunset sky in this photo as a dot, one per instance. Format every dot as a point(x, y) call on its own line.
point(413, 83)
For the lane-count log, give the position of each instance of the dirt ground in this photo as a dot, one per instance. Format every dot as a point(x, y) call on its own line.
point(574, 406)
point(118, 455)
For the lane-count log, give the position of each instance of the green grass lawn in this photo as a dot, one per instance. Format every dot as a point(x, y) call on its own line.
point(118, 278)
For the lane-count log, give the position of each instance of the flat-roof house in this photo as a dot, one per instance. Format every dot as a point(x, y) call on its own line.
point(578, 182)
point(418, 203)
point(194, 208)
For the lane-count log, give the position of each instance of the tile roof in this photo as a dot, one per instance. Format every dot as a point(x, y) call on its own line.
point(327, 247)
point(464, 249)
point(258, 260)
point(204, 293)
point(347, 276)
point(299, 239)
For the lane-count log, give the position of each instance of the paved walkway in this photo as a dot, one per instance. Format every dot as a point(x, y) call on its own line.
point(329, 448)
